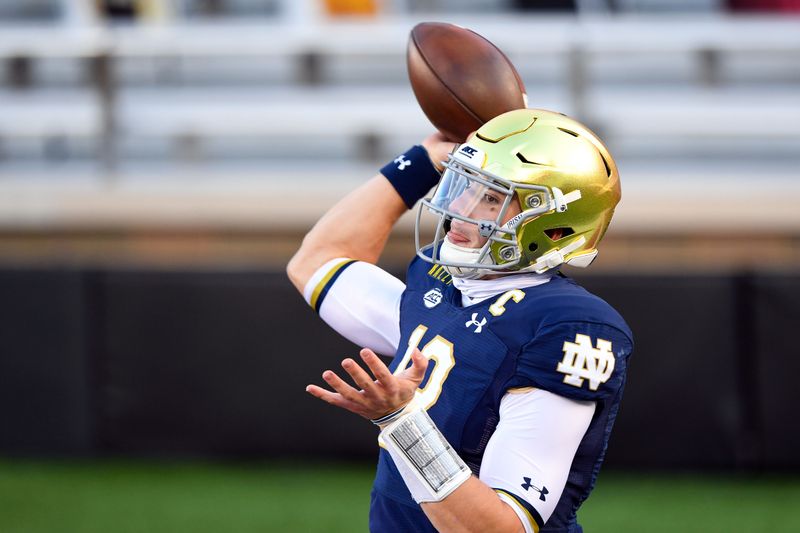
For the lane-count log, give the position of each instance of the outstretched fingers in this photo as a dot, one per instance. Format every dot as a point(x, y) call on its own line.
point(377, 367)
point(340, 386)
point(359, 375)
point(419, 364)
point(334, 398)
point(324, 394)
point(378, 395)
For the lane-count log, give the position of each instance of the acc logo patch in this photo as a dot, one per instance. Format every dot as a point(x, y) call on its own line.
point(470, 154)
point(582, 361)
point(432, 298)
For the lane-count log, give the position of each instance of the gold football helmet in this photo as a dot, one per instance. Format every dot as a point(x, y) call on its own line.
point(534, 187)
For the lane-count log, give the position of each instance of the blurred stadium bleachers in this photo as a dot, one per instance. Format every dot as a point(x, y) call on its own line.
point(254, 116)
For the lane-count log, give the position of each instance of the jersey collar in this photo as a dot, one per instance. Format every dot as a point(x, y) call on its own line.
point(474, 291)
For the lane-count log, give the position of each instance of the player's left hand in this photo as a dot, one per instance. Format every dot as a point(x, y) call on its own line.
point(379, 396)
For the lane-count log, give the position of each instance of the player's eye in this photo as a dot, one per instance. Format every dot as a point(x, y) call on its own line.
point(491, 199)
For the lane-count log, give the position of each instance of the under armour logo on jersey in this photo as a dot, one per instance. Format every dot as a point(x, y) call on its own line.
point(542, 491)
point(583, 361)
point(402, 162)
point(474, 322)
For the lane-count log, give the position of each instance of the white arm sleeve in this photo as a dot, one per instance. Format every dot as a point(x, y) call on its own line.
point(529, 456)
point(358, 300)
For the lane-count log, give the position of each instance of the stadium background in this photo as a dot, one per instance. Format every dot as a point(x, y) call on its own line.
point(160, 161)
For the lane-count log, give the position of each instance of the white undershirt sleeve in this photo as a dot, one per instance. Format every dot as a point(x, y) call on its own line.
point(528, 458)
point(358, 300)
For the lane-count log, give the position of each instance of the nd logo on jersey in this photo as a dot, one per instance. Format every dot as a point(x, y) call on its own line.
point(583, 361)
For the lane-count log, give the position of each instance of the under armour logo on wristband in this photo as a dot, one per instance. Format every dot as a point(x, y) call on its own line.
point(542, 492)
point(414, 182)
point(402, 162)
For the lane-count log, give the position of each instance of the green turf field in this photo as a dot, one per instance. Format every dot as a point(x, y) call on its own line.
point(133, 496)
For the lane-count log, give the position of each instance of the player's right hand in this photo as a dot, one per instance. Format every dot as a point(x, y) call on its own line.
point(438, 148)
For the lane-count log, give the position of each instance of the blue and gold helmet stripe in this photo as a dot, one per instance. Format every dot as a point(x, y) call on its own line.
point(327, 281)
point(532, 514)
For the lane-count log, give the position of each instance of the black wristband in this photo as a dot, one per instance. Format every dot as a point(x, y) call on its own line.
point(412, 174)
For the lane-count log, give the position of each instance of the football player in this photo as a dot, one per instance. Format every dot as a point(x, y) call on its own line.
point(496, 410)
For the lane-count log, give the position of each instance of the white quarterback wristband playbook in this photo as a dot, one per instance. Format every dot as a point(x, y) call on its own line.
point(430, 467)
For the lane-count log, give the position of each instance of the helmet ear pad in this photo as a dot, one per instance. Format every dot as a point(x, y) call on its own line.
point(556, 234)
point(539, 236)
point(550, 236)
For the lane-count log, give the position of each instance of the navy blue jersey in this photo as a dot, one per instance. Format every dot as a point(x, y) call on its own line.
point(557, 337)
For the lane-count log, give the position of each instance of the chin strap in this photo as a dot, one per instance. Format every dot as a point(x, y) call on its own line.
point(583, 260)
point(555, 257)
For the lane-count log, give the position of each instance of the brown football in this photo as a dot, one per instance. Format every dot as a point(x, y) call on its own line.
point(460, 79)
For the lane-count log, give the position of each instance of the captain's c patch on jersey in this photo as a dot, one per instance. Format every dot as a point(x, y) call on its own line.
point(582, 362)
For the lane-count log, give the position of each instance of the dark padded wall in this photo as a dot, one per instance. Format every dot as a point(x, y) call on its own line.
point(216, 363)
point(206, 363)
point(777, 312)
point(45, 389)
point(680, 406)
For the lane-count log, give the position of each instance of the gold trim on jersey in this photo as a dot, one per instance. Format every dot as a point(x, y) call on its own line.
point(520, 390)
point(324, 281)
point(511, 497)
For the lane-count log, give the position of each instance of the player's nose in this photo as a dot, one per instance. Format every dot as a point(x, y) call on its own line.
point(460, 205)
